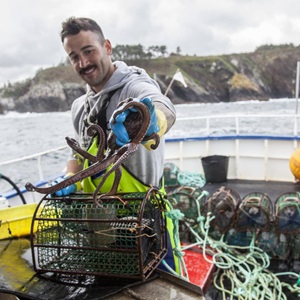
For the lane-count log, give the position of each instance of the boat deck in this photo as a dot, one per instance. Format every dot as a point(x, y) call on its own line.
point(18, 279)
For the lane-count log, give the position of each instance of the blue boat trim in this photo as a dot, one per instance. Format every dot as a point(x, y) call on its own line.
point(10, 194)
point(235, 137)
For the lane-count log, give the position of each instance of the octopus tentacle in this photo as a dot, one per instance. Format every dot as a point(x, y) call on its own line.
point(113, 191)
point(90, 171)
point(75, 146)
point(115, 156)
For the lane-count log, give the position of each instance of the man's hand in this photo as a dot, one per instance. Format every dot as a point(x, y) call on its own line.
point(67, 190)
point(119, 130)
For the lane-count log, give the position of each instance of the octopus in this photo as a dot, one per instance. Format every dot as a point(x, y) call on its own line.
point(136, 125)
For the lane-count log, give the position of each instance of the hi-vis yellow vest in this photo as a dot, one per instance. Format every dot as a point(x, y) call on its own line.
point(128, 184)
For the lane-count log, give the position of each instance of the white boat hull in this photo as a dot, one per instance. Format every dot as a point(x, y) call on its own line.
point(249, 159)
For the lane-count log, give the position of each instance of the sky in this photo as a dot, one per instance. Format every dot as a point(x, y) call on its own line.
point(30, 28)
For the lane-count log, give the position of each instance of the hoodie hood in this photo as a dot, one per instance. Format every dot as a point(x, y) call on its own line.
point(119, 78)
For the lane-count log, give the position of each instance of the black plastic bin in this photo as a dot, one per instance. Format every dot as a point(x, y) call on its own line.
point(215, 168)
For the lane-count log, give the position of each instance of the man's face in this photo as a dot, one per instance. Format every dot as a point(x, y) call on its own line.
point(90, 58)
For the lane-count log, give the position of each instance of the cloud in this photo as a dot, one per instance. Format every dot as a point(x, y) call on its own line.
point(30, 29)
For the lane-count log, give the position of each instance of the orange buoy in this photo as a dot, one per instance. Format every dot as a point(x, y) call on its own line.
point(295, 163)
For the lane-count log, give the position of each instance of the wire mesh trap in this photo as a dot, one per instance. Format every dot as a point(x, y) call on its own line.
point(185, 199)
point(287, 212)
point(123, 237)
point(254, 212)
point(222, 204)
point(170, 176)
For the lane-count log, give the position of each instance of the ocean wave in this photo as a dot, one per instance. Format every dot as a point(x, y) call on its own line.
point(25, 115)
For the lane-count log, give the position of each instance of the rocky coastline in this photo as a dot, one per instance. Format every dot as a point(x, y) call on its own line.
point(269, 72)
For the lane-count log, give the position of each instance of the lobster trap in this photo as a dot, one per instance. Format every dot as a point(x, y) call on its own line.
point(170, 176)
point(222, 205)
point(287, 213)
point(187, 199)
point(123, 236)
point(254, 212)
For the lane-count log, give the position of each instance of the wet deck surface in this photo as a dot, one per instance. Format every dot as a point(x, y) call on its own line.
point(18, 278)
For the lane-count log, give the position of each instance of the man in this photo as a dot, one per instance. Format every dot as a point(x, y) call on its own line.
point(108, 83)
point(90, 56)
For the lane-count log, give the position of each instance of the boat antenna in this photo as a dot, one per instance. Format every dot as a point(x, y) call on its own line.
point(297, 86)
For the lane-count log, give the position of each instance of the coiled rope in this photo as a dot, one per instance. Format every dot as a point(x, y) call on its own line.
point(191, 179)
point(244, 269)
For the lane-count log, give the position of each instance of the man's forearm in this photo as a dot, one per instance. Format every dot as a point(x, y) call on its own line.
point(73, 167)
point(170, 116)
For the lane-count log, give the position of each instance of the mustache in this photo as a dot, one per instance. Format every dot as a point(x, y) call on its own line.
point(83, 70)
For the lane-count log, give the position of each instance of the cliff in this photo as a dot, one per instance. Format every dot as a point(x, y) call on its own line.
point(269, 72)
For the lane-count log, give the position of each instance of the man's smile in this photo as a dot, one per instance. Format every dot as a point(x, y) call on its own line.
point(88, 70)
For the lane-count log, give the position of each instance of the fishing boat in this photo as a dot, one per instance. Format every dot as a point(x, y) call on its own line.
point(211, 172)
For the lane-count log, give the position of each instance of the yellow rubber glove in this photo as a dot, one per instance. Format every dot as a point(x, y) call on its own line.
point(162, 124)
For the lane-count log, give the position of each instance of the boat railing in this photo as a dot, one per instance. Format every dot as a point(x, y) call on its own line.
point(36, 156)
point(209, 129)
point(206, 126)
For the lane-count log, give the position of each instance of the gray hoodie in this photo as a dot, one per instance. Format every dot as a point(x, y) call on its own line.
point(145, 165)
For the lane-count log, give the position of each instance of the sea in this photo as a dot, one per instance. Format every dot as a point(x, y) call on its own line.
point(25, 134)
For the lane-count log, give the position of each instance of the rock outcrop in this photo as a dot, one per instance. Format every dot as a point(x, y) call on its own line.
point(49, 97)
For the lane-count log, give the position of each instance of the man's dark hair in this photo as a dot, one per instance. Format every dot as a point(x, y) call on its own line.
point(74, 25)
